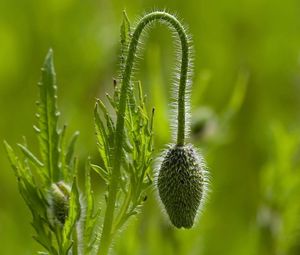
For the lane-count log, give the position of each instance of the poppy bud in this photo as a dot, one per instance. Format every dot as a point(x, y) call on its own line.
point(60, 196)
point(181, 184)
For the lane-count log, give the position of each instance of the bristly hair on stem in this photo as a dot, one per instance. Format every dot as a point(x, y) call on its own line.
point(180, 101)
point(129, 42)
point(64, 218)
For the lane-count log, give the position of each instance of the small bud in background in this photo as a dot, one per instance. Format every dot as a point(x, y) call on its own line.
point(182, 184)
point(59, 201)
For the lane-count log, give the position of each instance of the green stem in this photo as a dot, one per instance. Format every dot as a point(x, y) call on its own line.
point(107, 234)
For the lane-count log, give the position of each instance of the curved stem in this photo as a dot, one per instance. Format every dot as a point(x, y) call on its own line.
point(106, 236)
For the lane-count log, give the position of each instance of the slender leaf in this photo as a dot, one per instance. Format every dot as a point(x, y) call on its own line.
point(28, 154)
point(71, 148)
point(48, 117)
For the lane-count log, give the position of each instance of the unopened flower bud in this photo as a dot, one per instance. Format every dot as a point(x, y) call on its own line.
point(60, 196)
point(181, 184)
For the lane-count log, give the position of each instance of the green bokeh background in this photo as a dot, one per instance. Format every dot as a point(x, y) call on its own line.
point(246, 52)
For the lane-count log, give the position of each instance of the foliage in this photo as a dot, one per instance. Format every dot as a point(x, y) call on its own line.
point(64, 222)
point(49, 185)
point(137, 154)
point(259, 37)
point(278, 214)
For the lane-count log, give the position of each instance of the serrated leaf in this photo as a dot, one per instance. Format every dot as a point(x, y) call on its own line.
point(47, 119)
point(31, 194)
point(102, 138)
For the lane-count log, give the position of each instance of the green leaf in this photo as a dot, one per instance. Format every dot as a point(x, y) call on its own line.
point(55, 156)
point(102, 172)
point(239, 91)
point(27, 187)
point(31, 194)
point(125, 38)
point(73, 217)
point(125, 29)
point(109, 122)
point(71, 148)
point(112, 101)
point(13, 159)
point(102, 138)
point(28, 154)
point(47, 119)
point(90, 232)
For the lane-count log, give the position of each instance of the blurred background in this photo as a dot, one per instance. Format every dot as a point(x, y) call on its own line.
point(245, 113)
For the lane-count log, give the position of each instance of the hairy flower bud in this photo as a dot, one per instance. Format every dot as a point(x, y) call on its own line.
point(181, 184)
point(59, 200)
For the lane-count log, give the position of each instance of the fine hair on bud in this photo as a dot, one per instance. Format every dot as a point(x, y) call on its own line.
point(182, 184)
point(59, 202)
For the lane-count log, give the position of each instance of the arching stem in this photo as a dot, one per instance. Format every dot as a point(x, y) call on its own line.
point(107, 234)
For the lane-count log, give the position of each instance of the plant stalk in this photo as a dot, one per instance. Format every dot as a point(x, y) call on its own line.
point(107, 234)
